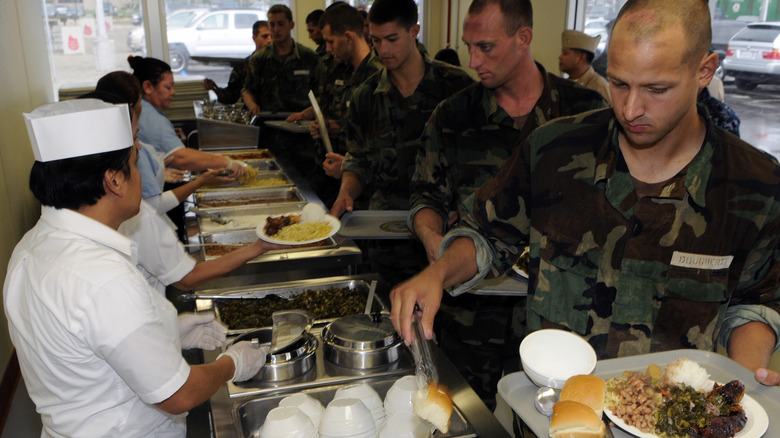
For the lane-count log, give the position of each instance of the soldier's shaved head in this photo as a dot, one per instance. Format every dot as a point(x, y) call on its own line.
point(642, 20)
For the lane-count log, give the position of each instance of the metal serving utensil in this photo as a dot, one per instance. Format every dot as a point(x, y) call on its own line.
point(425, 370)
point(210, 216)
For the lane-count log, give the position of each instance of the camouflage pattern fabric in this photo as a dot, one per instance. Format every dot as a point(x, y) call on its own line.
point(634, 275)
point(232, 92)
point(470, 136)
point(721, 114)
point(383, 130)
point(282, 84)
point(336, 88)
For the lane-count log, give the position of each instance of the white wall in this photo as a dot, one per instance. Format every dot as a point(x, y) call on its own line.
point(26, 81)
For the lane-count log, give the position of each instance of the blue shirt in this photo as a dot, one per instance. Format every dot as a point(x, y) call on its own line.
point(154, 128)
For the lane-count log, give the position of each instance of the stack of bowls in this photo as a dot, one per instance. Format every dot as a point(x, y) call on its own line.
point(404, 425)
point(307, 404)
point(398, 399)
point(286, 422)
point(347, 418)
point(369, 397)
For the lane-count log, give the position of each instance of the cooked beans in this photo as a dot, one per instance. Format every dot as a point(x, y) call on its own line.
point(633, 400)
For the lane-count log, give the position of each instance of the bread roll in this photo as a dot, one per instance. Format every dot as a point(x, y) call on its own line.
point(434, 405)
point(571, 419)
point(586, 389)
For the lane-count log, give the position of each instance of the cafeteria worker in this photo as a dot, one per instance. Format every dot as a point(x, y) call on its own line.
point(99, 350)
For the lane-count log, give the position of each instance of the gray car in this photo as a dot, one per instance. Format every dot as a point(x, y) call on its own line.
point(753, 55)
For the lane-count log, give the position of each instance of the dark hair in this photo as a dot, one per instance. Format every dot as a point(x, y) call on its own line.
point(450, 56)
point(76, 182)
point(517, 13)
point(256, 27)
point(281, 9)
point(148, 69)
point(314, 17)
point(386, 11)
point(121, 83)
point(341, 19)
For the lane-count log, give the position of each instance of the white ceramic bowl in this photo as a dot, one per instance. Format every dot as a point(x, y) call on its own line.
point(287, 422)
point(347, 417)
point(405, 425)
point(365, 393)
point(307, 404)
point(399, 397)
point(551, 356)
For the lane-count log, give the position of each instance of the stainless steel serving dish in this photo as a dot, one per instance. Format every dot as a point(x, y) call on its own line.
point(236, 185)
point(247, 154)
point(245, 218)
point(290, 363)
point(235, 198)
point(362, 341)
point(213, 243)
point(250, 415)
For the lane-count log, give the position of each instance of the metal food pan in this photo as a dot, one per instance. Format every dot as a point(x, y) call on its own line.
point(214, 244)
point(213, 298)
point(243, 218)
point(247, 154)
point(260, 176)
point(240, 198)
point(264, 165)
point(251, 415)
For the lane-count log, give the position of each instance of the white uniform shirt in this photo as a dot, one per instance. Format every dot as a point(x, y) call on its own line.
point(97, 346)
point(161, 257)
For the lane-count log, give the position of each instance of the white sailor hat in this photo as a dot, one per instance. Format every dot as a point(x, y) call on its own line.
point(574, 39)
point(75, 128)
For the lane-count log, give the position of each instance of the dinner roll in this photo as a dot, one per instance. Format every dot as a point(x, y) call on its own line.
point(434, 405)
point(586, 389)
point(571, 419)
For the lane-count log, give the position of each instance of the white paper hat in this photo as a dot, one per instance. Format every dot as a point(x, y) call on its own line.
point(574, 39)
point(79, 127)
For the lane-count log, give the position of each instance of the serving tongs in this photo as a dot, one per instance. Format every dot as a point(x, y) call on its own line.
point(210, 216)
point(425, 371)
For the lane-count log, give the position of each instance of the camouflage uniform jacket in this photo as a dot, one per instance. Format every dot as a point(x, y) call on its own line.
point(384, 128)
point(633, 275)
point(232, 92)
point(282, 84)
point(336, 92)
point(470, 136)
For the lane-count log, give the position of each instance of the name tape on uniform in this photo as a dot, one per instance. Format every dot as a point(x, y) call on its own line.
point(700, 261)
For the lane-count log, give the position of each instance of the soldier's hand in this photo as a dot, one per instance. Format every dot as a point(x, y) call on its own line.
point(295, 117)
point(767, 377)
point(343, 204)
point(314, 130)
point(425, 290)
point(332, 164)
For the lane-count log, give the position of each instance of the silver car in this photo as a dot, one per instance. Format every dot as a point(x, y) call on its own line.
point(753, 55)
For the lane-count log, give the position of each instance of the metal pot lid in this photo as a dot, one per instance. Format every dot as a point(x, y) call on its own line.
point(361, 332)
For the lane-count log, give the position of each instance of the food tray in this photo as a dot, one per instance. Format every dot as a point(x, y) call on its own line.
point(374, 224)
point(251, 415)
point(235, 198)
point(246, 218)
point(301, 127)
point(209, 251)
point(519, 391)
point(210, 299)
point(260, 176)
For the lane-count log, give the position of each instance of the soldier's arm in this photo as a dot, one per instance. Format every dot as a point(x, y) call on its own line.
point(351, 188)
point(751, 345)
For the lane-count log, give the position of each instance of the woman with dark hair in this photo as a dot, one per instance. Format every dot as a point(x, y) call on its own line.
point(157, 90)
point(151, 162)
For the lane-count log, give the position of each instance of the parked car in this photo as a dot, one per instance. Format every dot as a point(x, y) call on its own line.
point(219, 34)
point(753, 55)
point(109, 9)
point(136, 38)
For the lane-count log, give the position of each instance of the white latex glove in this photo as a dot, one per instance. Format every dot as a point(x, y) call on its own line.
point(200, 330)
point(248, 359)
point(237, 168)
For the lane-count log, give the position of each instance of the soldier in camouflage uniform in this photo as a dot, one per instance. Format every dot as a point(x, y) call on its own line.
point(468, 138)
point(385, 120)
point(281, 75)
point(261, 35)
point(650, 229)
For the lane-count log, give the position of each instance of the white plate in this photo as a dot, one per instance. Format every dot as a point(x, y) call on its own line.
point(756, 425)
point(309, 213)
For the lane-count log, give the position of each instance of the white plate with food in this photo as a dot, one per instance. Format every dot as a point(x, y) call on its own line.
point(309, 225)
point(756, 425)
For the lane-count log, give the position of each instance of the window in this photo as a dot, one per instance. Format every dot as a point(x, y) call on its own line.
point(216, 21)
point(245, 21)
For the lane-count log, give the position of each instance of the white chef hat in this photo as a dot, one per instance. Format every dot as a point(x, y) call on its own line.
point(79, 127)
